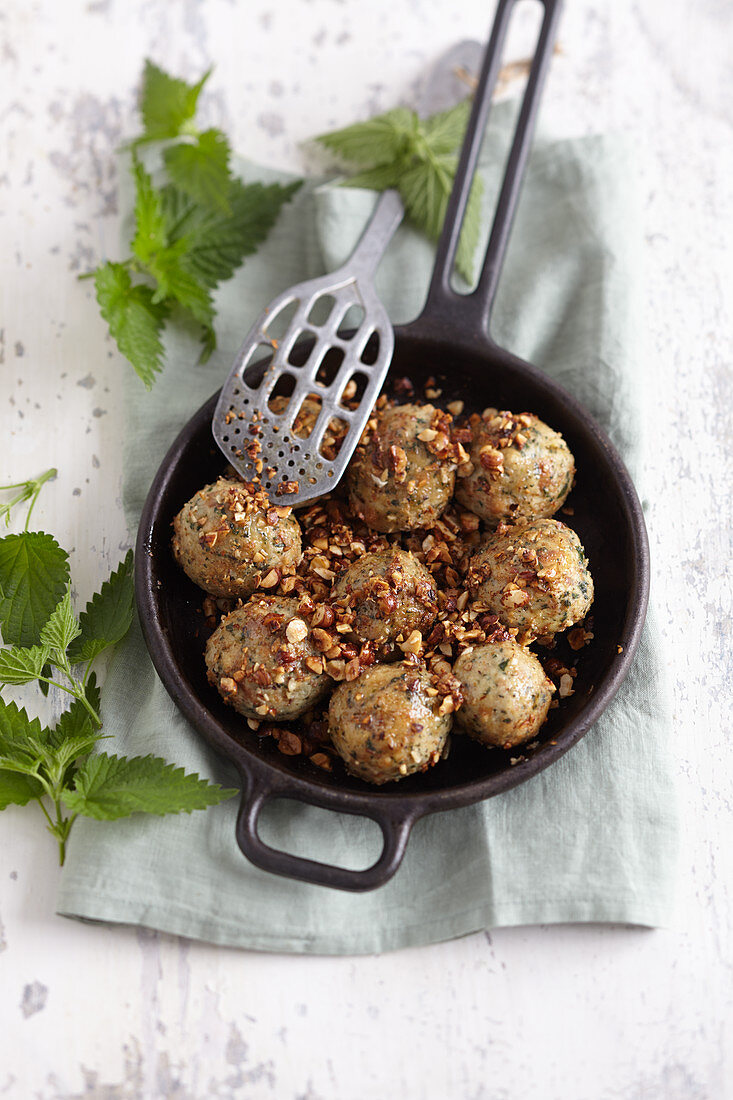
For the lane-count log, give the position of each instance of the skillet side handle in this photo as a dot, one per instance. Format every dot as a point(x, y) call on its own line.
point(471, 312)
point(395, 825)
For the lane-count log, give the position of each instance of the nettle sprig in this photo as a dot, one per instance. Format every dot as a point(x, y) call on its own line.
point(193, 229)
point(48, 644)
point(419, 158)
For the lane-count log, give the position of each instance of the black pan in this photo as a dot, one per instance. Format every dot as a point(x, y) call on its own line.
point(452, 331)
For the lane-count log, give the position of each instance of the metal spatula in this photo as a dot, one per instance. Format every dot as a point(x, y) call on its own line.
point(307, 345)
point(315, 357)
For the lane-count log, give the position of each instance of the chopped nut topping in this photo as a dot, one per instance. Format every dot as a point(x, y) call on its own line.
point(296, 631)
point(413, 643)
point(566, 686)
point(289, 743)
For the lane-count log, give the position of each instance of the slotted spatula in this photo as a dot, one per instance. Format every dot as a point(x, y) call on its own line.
point(260, 443)
point(300, 347)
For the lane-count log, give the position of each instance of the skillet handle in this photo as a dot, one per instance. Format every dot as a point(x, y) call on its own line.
point(395, 824)
point(471, 313)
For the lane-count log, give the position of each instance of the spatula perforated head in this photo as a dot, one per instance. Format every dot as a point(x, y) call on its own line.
point(306, 378)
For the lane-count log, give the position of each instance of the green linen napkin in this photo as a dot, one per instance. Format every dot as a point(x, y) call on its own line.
point(593, 838)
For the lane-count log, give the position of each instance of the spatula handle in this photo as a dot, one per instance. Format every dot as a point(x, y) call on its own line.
point(472, 312)
point(388, 213)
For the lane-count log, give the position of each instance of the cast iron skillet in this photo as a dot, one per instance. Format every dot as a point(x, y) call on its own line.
point(452, 332)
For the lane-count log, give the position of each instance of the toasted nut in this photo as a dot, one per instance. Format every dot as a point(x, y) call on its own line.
point(566, 685)
point(468, 521)
point(228, 685)
point(323, 616)
point(427, 435)
point(270, 579)
point(296, 631)
point(321, 640)
point(352, 669)
point(455, 407)
point(286, 487)
point(315, 664)
point(289, 743)
point(412, 643)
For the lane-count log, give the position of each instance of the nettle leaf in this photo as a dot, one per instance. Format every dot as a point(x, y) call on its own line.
point(425, 190)
point(20, 665)
point(110, 787)
point(379, 140)
point(62, 627)
point(107, 617)
point(167, 103)
point(75, 733)
point(22, 745)
point(200, 168)
point(444, 131)
point(470, 231)
point(175, 280)
point(378, 178)
point(34, 571)
point(216, 243)
point(76, 721)
point(419, 158)
point(135, 320)
point(150, 233)
point(17, 789)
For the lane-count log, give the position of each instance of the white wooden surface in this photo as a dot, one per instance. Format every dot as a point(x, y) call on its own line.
point(571, 1012)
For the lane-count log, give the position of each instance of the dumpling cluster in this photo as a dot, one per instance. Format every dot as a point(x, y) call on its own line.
point(411, 597)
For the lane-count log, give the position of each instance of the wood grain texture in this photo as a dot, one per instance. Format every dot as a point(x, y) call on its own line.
point(558, 1012)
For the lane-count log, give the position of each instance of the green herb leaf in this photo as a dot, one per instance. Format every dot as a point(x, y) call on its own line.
point(17, 790)
point(19, 665)
point(176, 282)
point(109, 787)
point(201, 168)
point(214, 243)
point(107, 617)
point(380, 140)
point(167, 103)
point(150, 233)
point(189, 235)
point(378, 178)
point(34, 572)
point(470, 231)
point(135, 320)
point(165, 260)
point(75, 731)
point(21, 747)
point(62, 627)
point(444, 131)
point(419, 158)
